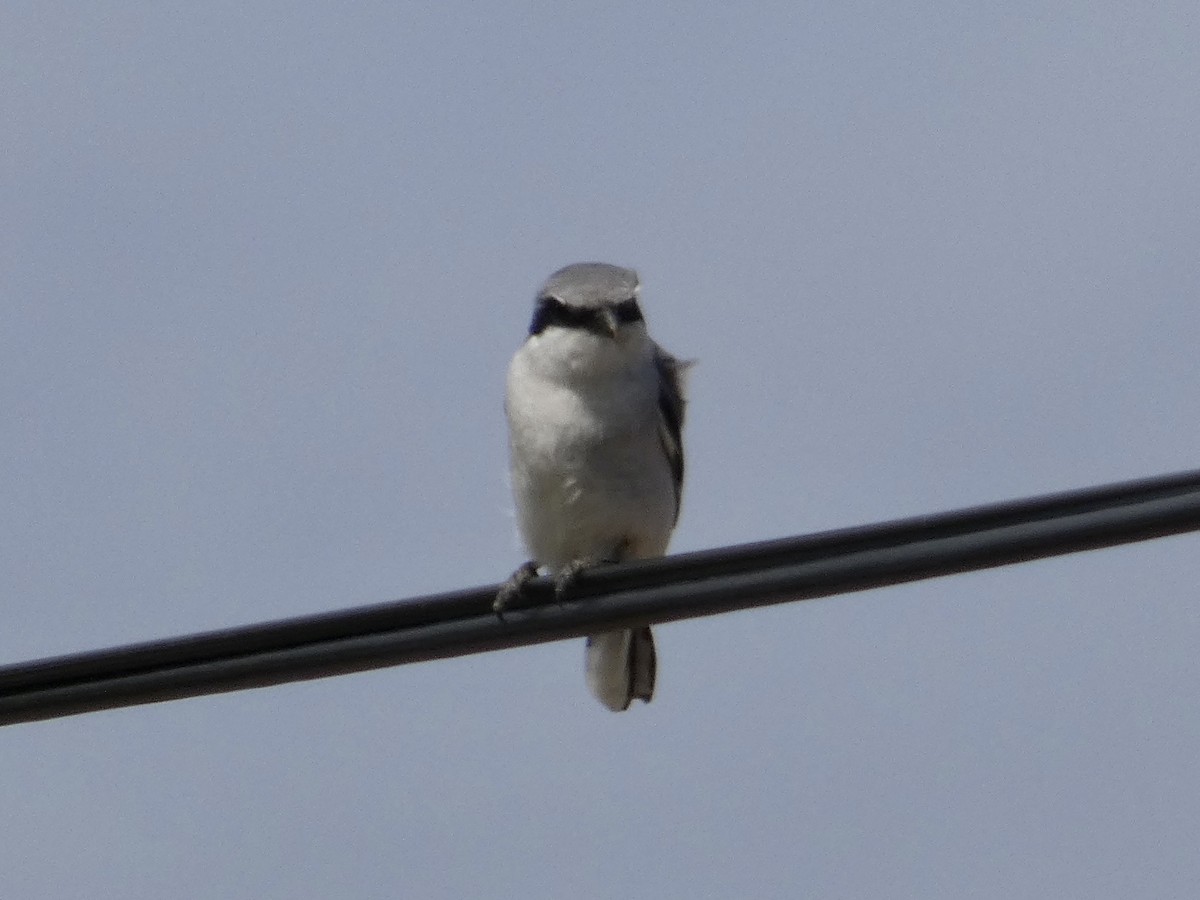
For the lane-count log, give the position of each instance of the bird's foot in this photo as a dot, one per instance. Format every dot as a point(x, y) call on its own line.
point(514, 587)
point(566, 577)
point(569, 574)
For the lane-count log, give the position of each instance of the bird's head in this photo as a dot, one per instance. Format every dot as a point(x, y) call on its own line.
point(590, 297)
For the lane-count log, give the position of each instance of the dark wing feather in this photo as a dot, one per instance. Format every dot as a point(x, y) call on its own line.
point(670, 419)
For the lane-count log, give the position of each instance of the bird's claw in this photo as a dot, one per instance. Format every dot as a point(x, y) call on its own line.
point(566, 578)
point(514, 587)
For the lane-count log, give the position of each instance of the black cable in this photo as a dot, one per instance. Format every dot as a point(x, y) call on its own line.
point(642, 592)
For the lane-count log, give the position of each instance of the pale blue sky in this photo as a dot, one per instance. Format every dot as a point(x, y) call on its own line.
point(262, 267)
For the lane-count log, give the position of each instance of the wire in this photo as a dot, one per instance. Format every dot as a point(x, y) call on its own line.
point(641, 592)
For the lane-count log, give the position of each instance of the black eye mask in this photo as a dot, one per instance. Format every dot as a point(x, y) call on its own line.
point(552, 311)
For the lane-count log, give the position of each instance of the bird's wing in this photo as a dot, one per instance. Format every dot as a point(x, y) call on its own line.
point(671, 405)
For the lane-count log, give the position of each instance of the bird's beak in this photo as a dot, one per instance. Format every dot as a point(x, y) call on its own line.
point(608, 316)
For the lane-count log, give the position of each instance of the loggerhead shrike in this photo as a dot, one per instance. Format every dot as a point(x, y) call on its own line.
point(595, 410)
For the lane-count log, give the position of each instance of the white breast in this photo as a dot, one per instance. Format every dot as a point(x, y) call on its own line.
point(590, 478)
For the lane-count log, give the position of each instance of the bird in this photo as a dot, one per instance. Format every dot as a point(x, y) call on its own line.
point(595, 413)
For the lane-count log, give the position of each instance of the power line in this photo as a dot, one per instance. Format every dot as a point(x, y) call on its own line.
point(684, 586)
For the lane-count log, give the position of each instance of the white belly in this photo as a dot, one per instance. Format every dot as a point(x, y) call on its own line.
point(590, 478)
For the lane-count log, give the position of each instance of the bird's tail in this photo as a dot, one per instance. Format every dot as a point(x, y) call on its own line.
point(621, 667)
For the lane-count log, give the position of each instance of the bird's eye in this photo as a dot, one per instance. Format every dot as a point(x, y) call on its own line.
point(628, 311)
point(549, 311)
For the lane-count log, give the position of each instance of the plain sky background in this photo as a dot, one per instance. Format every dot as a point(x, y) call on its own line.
point(262, 267)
